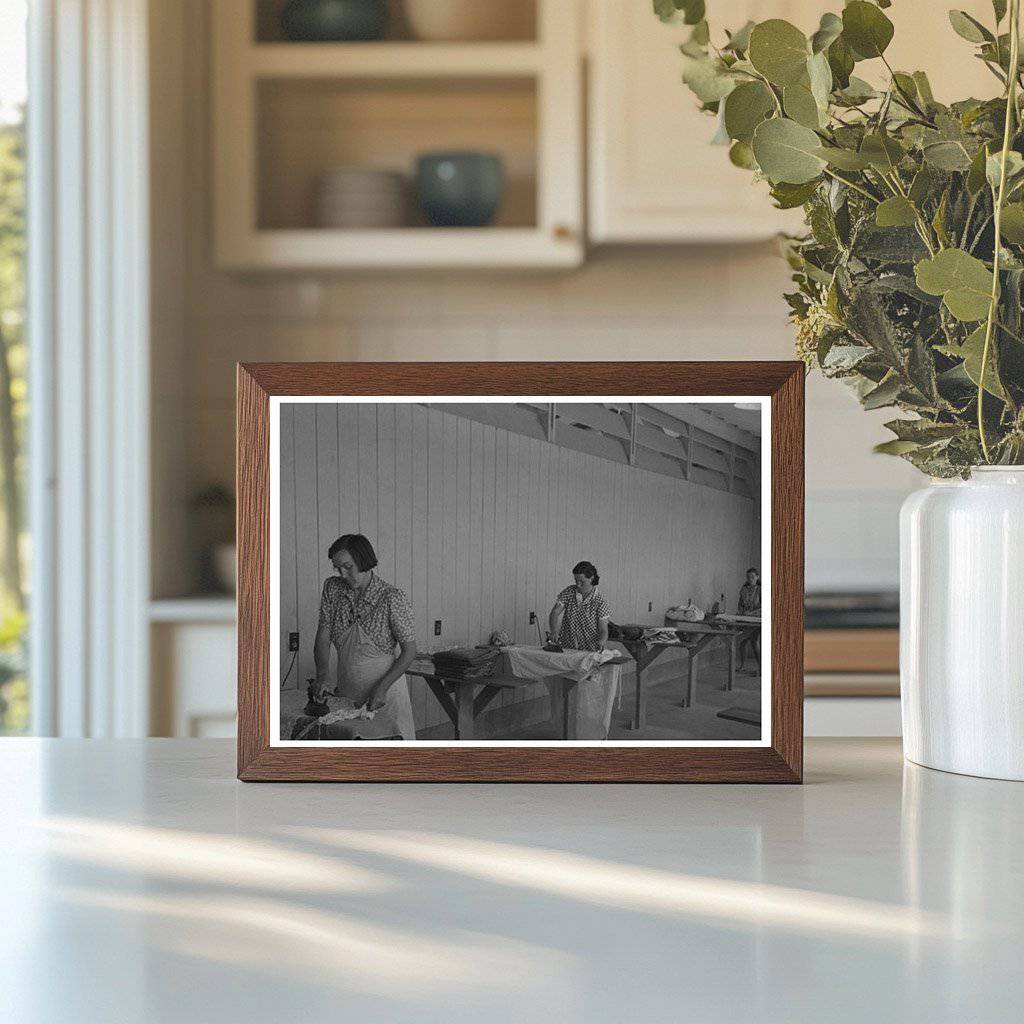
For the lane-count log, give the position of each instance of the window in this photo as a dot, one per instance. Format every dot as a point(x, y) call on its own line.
point(14, 690)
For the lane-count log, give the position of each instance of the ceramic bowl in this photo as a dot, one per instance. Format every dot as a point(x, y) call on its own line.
point(333, 21)
point(460, 189)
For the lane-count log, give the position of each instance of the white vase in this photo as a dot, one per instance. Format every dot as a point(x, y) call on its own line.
point(962, 624)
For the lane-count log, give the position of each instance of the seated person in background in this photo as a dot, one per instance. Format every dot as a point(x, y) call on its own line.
point(580, 615)
point(750, 594)
point(750, 604)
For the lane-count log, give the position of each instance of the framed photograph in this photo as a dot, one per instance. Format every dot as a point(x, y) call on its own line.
point(512, 572)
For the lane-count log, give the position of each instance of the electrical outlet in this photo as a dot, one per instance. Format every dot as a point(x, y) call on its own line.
point(533, 618)
point(437, 627)
point(293, 641)
point(650, 606)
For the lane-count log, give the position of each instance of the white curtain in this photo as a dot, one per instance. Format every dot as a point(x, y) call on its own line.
point(88, 386)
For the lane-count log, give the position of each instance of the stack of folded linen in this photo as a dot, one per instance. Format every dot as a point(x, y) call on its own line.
point(466, 663)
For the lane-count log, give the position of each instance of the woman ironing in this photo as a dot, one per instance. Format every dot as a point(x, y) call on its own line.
point(365, 620)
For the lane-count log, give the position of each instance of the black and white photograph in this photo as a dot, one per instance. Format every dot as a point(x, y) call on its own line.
point(520, 571)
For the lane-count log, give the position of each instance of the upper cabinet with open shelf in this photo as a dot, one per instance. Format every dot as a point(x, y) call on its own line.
point(292, 118)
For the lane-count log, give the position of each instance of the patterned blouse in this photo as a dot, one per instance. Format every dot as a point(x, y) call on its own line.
point(750, 599)
point(383, 611)
point(581, 617)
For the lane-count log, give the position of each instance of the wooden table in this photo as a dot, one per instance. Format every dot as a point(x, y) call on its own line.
point(706, 634)
point(462, 704)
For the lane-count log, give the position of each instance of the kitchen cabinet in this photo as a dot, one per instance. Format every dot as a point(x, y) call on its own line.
point(287, 114)
point(654, 177)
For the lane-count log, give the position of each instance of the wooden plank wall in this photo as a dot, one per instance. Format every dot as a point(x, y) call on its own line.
point(481, 526)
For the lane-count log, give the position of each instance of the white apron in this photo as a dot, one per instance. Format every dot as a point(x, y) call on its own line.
point(360, 667)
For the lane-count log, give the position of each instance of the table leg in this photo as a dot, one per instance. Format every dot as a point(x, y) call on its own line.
point(730, 682)
point(566, 709)
point(464, 703)
point(691, 680)
point(639, 704)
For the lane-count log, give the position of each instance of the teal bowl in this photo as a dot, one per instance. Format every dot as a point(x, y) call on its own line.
point(460, 189)
point(334, 21)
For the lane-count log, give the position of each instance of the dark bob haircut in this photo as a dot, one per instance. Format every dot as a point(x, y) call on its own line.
point(586, 569)
point(752, 569)
point(358, 547)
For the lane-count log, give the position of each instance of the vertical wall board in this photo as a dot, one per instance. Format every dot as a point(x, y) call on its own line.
point(477, 628)
point(327, 474)
point(487, 551)
point(403, 497)
point(288, 591)
point(368, 470)
point(420, 549)
point(312, 569)
point(384, 540)
point(348, 468)
point(435, 542)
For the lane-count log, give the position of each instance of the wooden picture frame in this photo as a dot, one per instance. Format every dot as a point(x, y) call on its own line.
point(779, 759)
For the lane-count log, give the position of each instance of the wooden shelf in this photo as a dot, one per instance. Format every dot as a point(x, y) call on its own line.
point(393, 60)
point(318, 248)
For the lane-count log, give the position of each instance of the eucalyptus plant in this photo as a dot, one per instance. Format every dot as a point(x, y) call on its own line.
point(910, 277)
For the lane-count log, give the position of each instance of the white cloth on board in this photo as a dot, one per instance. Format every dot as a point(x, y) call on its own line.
point(536, 663)
point(596, 686)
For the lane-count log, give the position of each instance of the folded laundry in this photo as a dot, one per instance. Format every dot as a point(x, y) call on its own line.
point(467, 656)
point(466, 662)
point(661, 635)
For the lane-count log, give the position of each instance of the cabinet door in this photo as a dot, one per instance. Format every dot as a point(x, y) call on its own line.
point(653, 174)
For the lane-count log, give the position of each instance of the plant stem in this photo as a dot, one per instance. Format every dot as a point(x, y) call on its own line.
point(853, 185)
point(1011, 108)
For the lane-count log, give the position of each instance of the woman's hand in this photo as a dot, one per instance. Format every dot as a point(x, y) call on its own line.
point(377, 699)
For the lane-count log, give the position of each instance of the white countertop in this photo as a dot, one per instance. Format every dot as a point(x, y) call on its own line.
point(140, 882)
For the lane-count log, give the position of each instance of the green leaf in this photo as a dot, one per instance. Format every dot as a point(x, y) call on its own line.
point(857, 91)
point(895, 212)
point(971, 352)
point(739, 41)
point(801, 106)
point(969, 28)
point(844, 159)
point(882, 151)
point(788, 196)
point(819, 74)
point(866, 29)
point(993, 167)
point(976, 174)
point(690, 12)
point(947, 156)
point(885, 394)
point(924, 88)
point(840, 61)
point(707, 78)
point(895, 447)
point(922, 185)
point(999, 9)
point(745, 108)
point(1011, 226)
point(829, 30)
point(786, 151)
point(923, 431)
point(779, 51)
point(741, 155)
point(963, 281)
